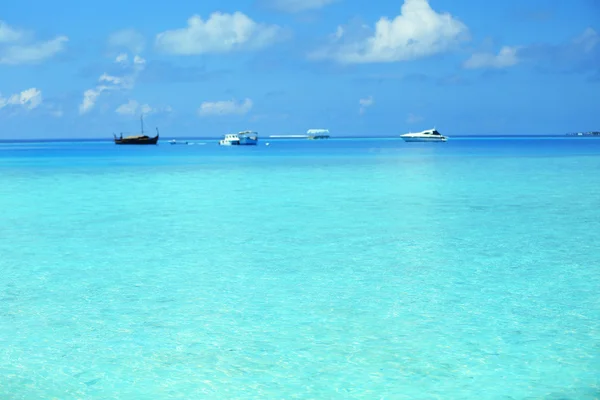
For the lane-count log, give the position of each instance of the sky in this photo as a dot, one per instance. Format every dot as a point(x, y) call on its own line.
point(73, 69)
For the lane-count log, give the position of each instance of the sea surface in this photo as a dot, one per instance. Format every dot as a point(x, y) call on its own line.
point(334, 269)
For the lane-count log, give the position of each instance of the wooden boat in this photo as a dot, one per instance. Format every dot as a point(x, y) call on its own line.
point(138, 139)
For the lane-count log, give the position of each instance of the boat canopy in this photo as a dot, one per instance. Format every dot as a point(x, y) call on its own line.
point(317, 131)
point(136, 137)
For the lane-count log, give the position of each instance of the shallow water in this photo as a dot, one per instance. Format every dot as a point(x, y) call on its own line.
point(304, 269)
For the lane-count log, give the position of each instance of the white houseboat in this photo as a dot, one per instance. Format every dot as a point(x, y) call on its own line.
point(318, 133)
point(245, 138)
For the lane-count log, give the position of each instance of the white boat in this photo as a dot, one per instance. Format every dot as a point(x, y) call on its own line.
point(430, 135)
point(318, 133)
point(245, 138)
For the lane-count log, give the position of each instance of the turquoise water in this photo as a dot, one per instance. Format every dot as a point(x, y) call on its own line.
point(340, 269)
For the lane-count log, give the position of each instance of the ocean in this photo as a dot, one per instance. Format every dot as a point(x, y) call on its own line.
point(333, 269)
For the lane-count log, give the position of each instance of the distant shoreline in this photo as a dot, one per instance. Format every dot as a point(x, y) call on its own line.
point(586, 134)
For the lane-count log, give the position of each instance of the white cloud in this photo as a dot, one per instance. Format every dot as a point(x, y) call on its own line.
point(28, 99)
point(128, 39)
point(226, 107)
point(413, 119)
point(18, 47)
point(111, 79)
point(8, 34)
point(293, 6)
point(33, 53)
point(132, 107)
point(419, 31)
point(507, 57)
point(108, 82)
point(122, 58)
point(365, 103)
point(146, 109)
point(89, 99)
point(220, 33)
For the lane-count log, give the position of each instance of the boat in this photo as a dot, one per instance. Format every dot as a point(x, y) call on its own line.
point(245, 138)
point(137, 139)
point(317, 134)
point(430, 135)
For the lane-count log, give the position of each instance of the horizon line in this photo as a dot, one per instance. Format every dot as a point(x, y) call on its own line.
point(282, 137)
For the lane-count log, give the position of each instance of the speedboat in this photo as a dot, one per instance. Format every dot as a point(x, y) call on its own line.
point(245, 138)
point(430, 135)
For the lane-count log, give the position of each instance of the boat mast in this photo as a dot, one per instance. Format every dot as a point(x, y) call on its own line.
point(142, 120)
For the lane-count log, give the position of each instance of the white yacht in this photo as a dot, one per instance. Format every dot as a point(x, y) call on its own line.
point(245, 138)
point(430, 135)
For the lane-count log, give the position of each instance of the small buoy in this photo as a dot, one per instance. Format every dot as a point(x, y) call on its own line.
point(266, 144)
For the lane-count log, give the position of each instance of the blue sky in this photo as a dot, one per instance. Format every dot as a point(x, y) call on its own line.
point(72, 69)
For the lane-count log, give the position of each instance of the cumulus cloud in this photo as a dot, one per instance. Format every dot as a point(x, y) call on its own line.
point(127, 39)
point(365, 103)
point(27, 99)
point(106, 82)
point(137, 60)
point(580, 54)
point(507, 57)
point(419, 31)
point(132, 107)
point(129, 108)
point(293, 6)
point(220, 33)
point(226, 107)
point(89, 99)
point(19, 47)
point(122, 59)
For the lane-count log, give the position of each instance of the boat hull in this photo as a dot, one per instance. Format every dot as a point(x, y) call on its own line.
point(248, 142)
point(134, 141)
point(422, 139)
point(241, 142)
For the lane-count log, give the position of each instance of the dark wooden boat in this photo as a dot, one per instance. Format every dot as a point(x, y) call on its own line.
point(137, 139)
